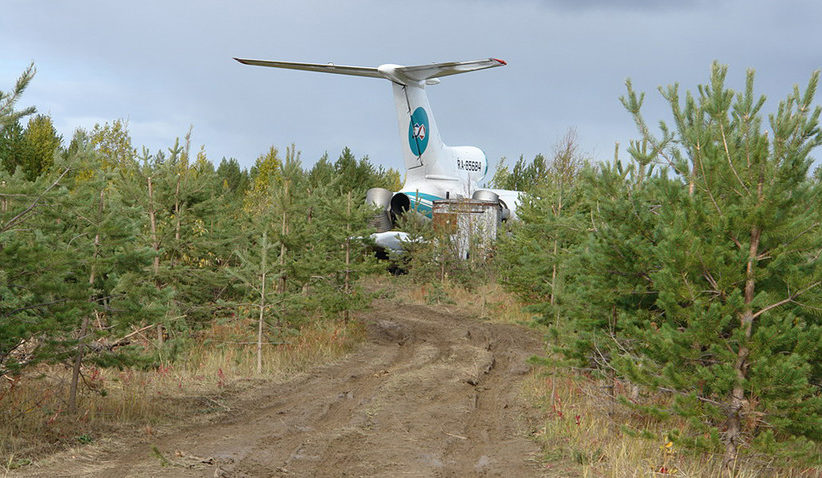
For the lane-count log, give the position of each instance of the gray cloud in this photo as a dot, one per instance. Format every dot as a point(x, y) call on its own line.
point(167, 65)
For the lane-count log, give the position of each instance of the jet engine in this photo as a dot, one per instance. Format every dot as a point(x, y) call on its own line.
point(381, 198)
point(400, 203)
point(491, 196)
point(485, 195)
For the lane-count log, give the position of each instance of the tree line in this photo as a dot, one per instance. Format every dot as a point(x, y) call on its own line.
point(99, 240)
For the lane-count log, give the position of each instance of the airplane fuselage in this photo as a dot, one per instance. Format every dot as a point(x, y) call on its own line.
point(434, 170)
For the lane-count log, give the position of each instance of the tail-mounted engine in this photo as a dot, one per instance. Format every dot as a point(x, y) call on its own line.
point(491, 196)
point(400, 203)
point(381, 198)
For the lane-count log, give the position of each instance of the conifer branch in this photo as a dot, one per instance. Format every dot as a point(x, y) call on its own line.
point(20, 216)
point(728, 155)
point(797, 236)
point(705, 180)
point(786, 300)
point(123, 340)
point(34, 306)
point(806, 306)
point(604, 363)
point(7, 101)
point(698, 397)
point(710, 278)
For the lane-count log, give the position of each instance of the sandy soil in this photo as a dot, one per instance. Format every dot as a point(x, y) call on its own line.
point(430, 393)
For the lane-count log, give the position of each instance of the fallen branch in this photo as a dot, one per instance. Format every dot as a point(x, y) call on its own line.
point(126, 337)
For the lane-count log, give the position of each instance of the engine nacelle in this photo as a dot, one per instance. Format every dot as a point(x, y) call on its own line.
point(381, 198)
point(485, 195)
point(491, 196)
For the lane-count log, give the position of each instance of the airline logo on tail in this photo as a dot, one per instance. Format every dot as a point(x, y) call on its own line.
point(418, 131)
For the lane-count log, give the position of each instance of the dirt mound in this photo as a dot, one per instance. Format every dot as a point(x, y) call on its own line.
point(430, 394)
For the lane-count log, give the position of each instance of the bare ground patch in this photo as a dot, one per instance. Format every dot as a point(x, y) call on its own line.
point(430, 393)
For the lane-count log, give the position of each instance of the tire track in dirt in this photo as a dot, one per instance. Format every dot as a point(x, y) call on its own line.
point(431, 393)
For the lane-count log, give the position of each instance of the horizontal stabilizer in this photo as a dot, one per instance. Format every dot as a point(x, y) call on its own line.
point(437, 70)
point(396, 73)
point(324, 68)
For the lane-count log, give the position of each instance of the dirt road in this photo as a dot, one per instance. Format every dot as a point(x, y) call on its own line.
point(429, 394)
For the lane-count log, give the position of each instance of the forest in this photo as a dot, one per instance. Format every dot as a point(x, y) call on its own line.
point(682, 276)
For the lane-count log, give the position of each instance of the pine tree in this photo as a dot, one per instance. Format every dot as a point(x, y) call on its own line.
point(35, 274)
point(35, 298)
point(192, 227)
point(258, 271)
point(74, 277)
point(13, 147)
point(553, 223)
point(268, 252)
point(322, 173)
point(360, 175)
point(31, 149)
point(233, 179)
point(307, 241)
point(265, 175)
point(12, 143)
point(340, 250)
point(704, 276)
point(109, 266)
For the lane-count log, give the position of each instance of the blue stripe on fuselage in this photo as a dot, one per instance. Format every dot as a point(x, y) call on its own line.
point(422, 202)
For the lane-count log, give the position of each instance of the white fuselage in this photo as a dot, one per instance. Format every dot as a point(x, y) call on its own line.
point(433, 169)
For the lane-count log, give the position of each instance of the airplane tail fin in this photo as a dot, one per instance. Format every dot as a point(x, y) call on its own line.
point(422, 144)
point(418, 128)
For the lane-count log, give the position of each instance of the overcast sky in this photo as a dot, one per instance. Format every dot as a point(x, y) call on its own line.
point(166, 65)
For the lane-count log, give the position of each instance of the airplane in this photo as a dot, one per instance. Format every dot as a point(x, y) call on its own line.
point(433, 170)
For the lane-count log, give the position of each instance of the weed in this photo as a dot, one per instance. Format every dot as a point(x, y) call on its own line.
point(156, 453)
point(437, 296)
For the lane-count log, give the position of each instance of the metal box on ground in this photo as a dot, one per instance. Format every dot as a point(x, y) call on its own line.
point(470, 223)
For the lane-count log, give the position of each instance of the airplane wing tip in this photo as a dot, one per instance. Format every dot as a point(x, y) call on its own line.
point(501, 62)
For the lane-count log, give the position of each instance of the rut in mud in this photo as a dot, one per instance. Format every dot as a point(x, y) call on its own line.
point(430, 393)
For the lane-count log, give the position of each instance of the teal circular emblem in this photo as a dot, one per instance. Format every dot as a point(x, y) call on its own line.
point(418, 131)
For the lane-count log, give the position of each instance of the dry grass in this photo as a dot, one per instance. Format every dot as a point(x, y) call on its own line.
point(215, 355)
point(486, 302)
point(33, 417)
point(583, 435)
